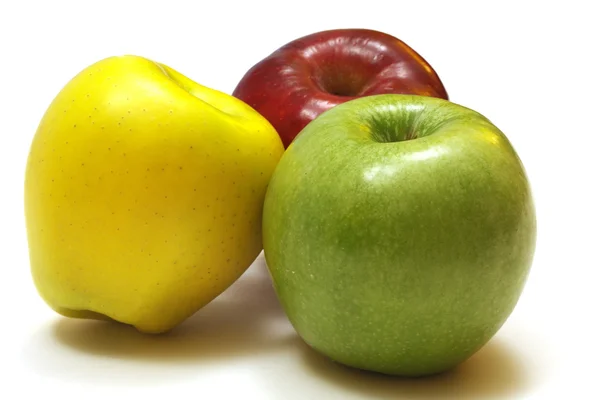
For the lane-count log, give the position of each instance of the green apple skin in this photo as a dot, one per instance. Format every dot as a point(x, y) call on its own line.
point(399, 232)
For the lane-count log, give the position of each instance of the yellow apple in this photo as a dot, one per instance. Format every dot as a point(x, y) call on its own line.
point(144, 194)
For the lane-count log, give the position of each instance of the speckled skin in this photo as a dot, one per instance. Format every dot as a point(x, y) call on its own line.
point(399, 232)
point(144, 193)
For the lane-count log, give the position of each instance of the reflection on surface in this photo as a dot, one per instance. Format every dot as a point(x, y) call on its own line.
point(493, 372)
point(237, 323)
point(246, 328)
point(245, 321)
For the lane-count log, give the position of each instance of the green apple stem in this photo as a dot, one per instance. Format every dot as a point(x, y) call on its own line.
point(398, 122)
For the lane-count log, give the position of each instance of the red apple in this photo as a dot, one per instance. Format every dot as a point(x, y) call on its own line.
point(314, 73)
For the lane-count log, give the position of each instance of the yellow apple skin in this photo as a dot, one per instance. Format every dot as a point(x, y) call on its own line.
point(144, 194)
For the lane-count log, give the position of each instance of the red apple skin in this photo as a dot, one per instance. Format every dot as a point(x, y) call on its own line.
point(314, 73)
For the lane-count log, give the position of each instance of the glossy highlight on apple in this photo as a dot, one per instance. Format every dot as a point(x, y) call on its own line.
point(398, 227)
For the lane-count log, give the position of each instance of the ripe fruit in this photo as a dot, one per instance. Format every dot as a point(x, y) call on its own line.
point(144, 194)
point(312, 74)
point(399, 231)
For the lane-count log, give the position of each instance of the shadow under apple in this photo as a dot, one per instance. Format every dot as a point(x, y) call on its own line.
point(243, 321)
point(247, 321)
point(493, 372)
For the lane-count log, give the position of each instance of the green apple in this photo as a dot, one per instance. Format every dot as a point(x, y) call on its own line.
point(399, 231)
point(144, 193)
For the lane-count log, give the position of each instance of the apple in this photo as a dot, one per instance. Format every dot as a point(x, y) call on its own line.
point(144, 194)
point(399, 231)
point(314, 73)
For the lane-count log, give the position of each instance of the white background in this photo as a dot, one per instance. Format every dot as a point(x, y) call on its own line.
point(531, 67)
